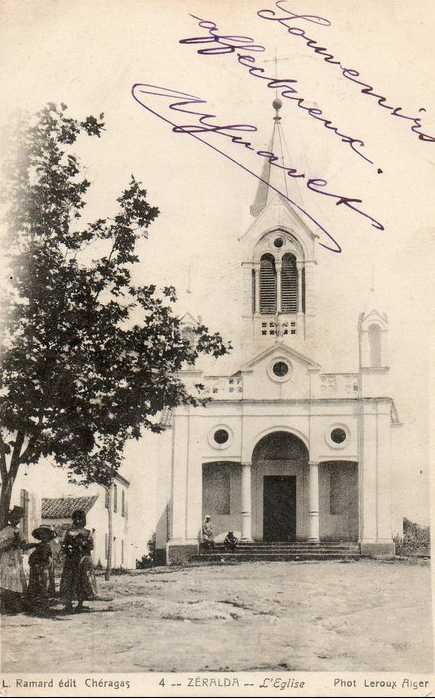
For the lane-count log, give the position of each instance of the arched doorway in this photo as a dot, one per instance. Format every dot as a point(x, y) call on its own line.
point(278, 489)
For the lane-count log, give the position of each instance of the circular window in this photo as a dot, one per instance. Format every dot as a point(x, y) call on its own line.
point(280, 369)
point(278, 242)
point(221, 436)
point(338, 435)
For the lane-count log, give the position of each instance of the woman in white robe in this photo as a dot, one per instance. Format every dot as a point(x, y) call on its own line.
point(13, 584)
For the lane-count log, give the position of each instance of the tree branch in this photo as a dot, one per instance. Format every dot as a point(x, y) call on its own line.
point(3, 464)
point(115, 240)
point(16, 454)
point(28, 450)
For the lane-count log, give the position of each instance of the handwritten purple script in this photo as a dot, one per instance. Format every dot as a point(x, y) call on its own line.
point(351, 74)
point(217, 44)
point(162, 102)
point(175, 101)
point(214, 43)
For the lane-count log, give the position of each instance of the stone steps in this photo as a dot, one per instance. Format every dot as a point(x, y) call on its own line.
point(293, 546)
point(242, 557)
point(283, 551)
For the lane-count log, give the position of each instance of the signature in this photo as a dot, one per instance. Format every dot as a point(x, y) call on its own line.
point(348, 73)
point(213, 43)
point(205, 126)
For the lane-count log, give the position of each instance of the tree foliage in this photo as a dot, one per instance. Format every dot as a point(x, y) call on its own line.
point(80, 374)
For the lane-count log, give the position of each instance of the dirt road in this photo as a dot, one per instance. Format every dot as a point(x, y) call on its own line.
point(364, 615)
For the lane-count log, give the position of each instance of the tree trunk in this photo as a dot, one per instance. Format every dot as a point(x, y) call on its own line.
point(5, 499)
point(109, 532)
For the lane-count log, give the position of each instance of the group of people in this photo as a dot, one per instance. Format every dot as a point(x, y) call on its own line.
point(207, 537)
point(78, 578)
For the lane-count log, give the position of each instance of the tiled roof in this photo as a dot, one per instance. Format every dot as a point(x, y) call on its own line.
point(57, 508)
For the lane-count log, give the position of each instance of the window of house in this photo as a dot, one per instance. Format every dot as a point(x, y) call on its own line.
point(123, 508)
point(106, 545)
point(253, 290)
point(122, 552)
point(268, 284)
point(115, 497)
point(106, 498)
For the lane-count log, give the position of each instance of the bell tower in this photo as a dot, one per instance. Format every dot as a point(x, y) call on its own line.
point(278, 260)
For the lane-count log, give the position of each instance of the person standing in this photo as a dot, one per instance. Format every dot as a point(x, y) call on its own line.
point(78, 578)
point(41, 563)
point(13, 584)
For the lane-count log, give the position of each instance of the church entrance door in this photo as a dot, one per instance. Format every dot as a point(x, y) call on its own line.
point(279, 508)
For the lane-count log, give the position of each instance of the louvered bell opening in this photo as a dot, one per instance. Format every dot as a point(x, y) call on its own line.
point(289, 285)
point(267, 285)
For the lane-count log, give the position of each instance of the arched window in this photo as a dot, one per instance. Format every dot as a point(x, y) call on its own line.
point(375, 345)
point(267, 284)
point(289, 285)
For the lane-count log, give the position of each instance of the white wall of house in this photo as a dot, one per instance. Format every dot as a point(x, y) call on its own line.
point(47, 481)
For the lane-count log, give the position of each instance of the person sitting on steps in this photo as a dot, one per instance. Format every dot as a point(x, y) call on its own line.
point(230, 541)
point(207, 534)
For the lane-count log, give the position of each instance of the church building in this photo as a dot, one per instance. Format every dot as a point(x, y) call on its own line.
point(282, 452)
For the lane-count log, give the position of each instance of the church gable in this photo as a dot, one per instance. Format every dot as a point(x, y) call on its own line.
point(278, 372)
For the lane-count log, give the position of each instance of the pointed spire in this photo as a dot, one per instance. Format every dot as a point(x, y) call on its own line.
point(273, 177)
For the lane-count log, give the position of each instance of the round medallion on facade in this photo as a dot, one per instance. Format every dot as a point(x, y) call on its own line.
point(278, 242)
point(220, 437)
point(280, 369)
point(337, 436)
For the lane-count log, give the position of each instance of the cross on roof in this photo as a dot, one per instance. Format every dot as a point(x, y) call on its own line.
point(275, 60)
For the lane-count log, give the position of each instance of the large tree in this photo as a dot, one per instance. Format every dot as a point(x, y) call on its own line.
point(88, 357)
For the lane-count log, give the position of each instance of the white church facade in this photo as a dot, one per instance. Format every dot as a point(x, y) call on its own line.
point(282, 451)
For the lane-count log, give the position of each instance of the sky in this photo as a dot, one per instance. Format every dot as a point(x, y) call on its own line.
point(89, 56)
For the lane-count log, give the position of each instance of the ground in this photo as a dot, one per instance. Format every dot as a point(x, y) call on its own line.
point(326, 616)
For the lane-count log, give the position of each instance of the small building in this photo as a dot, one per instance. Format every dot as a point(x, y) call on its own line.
point(94, 501)
point(58, 513)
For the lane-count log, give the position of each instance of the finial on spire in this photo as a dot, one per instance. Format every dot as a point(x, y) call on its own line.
point(277, 104)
